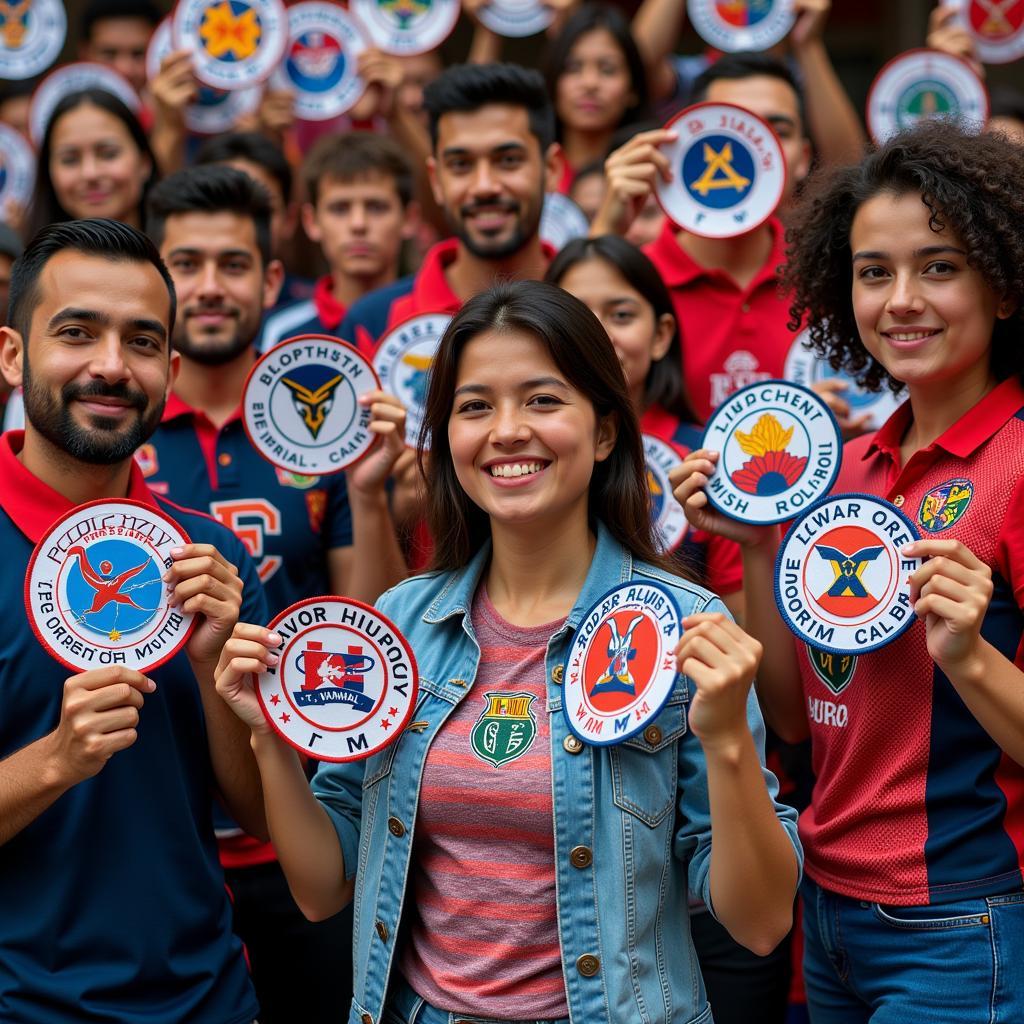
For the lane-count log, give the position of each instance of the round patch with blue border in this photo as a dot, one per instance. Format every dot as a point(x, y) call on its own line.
point(734, 25)
point(841, 581)
point(621, 668)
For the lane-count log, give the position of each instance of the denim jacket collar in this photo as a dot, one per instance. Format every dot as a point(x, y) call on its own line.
point(611, 565)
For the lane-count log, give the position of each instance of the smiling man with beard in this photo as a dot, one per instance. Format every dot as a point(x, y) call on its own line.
point(494, 156)
point(212, 226)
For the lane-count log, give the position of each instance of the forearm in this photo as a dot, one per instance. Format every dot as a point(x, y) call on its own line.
point(485, 46)
point(30, 782)
point(778, 678)
point(377, 561)
point(992, 687)
point(656, 27)
point(754, 870)
point(833, 123)
point(234, 767)
point(167, 140)
point(305, 840)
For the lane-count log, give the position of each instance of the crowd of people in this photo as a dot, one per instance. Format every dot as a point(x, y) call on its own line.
point(789, 839)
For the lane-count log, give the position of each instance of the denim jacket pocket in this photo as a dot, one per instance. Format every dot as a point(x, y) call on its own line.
point(645, 768)
point(379, 766)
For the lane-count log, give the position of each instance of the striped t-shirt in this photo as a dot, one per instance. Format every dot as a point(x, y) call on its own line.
point(484, 929)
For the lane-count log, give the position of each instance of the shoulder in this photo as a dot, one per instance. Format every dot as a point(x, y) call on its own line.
point(284, 322)
point(691, 597)
point(371, 311)
point(413, 597)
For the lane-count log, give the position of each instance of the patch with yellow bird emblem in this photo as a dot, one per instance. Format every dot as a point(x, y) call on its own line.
point(234, 43)
point(945, 505)
point(300, 405)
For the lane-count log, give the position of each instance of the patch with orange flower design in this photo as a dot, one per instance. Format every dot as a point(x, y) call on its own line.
point(780, 448)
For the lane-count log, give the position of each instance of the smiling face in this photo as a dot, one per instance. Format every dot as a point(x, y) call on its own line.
point(638, 337)
point(594, 90)
point(921, 311)
point(95, 365)
point(523, 441)
point(95, 166)
point(489, 175)
point(221, 282)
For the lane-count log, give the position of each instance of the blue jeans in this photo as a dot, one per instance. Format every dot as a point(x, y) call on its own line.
point(948, 963)
point(405, 1007)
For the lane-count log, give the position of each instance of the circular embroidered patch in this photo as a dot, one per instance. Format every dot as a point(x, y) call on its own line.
point(622, 666)
point(73, 78)
point(734, 25)
point(561, 220)
point(840, 580)
point(923, 84)
point(997, 27)
point(17, 168)
point(780, 447)
point(667, 515)
point(728, 171)
point(806, 367)
point(234, 43)
point(403, 360)
point(516, 18)
point(300, 405)
point(94, 590)
point(32, 34)
point(319, 66)
point(215, 110)
point(406, 27)
point(347, 681)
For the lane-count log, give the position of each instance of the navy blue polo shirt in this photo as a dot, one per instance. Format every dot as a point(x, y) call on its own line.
point(112, 903)
point(288, 522)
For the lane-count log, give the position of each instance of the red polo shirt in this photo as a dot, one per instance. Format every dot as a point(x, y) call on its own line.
point(914, 801)
point(731, 336)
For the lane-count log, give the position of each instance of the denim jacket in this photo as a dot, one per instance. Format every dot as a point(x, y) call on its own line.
point(632, 823)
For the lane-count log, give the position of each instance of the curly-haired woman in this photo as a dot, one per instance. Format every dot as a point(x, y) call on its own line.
point(909, 270)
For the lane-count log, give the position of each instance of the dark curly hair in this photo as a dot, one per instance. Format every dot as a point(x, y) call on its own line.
point(969, 183)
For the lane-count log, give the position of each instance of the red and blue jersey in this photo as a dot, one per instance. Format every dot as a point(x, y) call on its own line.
point(113, 903)
point(320, 313)
point(914, 802)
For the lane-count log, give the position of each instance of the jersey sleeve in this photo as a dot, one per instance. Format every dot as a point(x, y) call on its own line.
point(723, 565)
point(693, 820)
point(1010, 546)
point(338, 521)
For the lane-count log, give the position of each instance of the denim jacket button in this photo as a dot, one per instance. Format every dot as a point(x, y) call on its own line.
point(581, 857)
point(395, 827)
point(653, 735)
point(382, 931)
point(588, 965)
point(572, 744)
point(556, 674)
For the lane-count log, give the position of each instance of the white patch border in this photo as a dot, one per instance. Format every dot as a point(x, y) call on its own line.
point(516, 20)
point(731, 38)
point(672, 526)
point(45, 42)
point(426, 33)
point(1005, 51)
point(69, 78)
point(20, 163)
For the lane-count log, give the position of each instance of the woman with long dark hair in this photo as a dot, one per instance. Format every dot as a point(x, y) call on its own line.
point(546, 880)
point(94, 161)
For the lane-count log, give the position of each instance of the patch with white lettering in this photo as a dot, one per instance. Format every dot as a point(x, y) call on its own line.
point(841, 583)
point(667, 515)
point(780, 447)
point(923, 85)
point(94, 590)
point(728, 171)
point(300, 405)
point(403, 359)
point(734, 25)
point(621, 668)
point(32, 35)
point(346, 683)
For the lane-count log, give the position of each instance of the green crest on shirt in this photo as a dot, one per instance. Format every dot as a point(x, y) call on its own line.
point(834, 670)
point(505, 729)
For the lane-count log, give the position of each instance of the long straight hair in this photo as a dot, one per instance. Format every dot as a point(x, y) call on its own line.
point(580, 348)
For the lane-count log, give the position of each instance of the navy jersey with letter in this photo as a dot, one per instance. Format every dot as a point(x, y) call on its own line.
point(112, 903)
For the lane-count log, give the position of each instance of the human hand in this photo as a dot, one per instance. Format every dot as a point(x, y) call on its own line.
point(202, 582)
point(722, 660)
point(248, 653)
point(951, 593)
point(175, 86)
point(383, 75)
point(368, 476)
point(631, 175)
point(830, 392)
point(98, 717)
point(946, 32)
point(809, 27)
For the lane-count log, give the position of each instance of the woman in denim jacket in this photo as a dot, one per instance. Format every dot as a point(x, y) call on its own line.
point(509, 872)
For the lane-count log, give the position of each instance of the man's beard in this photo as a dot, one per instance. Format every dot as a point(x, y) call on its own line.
point(496, 250)
point(210, 352)
point(102, 444)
